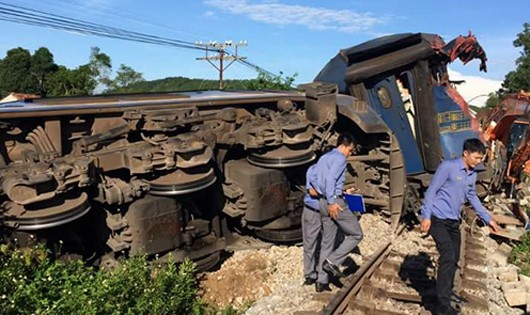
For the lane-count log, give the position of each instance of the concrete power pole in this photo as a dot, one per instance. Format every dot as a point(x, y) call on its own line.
point(221, 55)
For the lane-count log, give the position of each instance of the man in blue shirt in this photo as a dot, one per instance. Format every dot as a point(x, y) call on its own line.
point(311, 227)
point(453, 183)
point(331, 173)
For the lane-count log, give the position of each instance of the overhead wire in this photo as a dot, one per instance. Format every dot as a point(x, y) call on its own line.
point(148, 21)
point(90, 32)
point(19, 14)
point(114, 14)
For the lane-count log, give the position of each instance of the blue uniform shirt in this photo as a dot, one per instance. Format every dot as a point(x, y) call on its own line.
point(311, 180)
point(451, 185)
point(331, 173)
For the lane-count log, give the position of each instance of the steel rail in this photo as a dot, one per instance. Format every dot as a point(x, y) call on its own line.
point(340, 301)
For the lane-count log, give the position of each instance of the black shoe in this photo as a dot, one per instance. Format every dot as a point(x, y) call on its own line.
point(321, 287)
point(332, 269)
point(445, 310)
point(309, 281)
point(458, 299)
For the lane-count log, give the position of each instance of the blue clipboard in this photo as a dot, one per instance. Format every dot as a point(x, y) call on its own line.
point(355, 202)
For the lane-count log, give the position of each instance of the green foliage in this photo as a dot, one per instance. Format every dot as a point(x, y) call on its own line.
point(25, 73)
point(22, 72)
point(72, 82)
point(520, 255)
point(178, 84)
point(493, 100)
point(15, 73)
point(265, 81)
point(519, 79)
point(474, 108)
point(100, 66)
point(42, 66)
point(31, 283)
point(125, 76)
point(229, 310)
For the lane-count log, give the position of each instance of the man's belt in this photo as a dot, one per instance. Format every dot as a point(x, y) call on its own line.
point(334, 196)
point(311, 208)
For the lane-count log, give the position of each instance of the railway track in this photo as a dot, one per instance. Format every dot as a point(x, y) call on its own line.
point(400, 278)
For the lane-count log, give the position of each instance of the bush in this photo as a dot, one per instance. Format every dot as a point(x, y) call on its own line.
point(31, 283)
point(520, 255)
point(267, 81)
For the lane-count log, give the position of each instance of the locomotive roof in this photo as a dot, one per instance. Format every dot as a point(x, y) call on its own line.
point(363, 59)
point(383, 45)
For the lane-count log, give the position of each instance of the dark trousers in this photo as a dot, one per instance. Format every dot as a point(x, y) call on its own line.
point(311, 227)
point(349, 226)
point(446, 234)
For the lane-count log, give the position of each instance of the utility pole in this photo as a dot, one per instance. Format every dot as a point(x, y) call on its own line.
point(221, 55)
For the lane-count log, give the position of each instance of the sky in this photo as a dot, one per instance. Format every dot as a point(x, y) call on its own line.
point(291, 36)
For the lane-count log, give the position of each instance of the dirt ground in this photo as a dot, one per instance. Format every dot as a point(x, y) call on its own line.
point(241, 280)
point(272, 277)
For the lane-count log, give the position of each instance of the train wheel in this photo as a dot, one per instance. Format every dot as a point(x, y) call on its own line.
point(47, 214)
point(207, 262)
point(282, 236)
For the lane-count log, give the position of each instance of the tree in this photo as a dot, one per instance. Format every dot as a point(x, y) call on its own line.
point(15, 72)
point(25, 73)
point(125, 76)
point(59, 82)
point(68, 82)
point(266, 81)
point(493, 100)
point(42, 66)
point(83, 80)
point(38, 73)
point(519, 79)
point(100, 65)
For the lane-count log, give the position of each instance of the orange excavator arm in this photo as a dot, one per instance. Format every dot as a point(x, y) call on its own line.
point(504, 115)
point(507, 132)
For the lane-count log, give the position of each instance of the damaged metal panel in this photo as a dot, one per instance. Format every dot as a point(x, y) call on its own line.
point(428, 138)
point(364, 70)
point(361, 113)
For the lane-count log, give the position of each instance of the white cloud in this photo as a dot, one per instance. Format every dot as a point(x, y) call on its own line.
point(209, 14)
point(476, 88)
point(314, 18)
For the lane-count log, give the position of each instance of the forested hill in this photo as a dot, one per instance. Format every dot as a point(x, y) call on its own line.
point(180, 84)
point(22, 71)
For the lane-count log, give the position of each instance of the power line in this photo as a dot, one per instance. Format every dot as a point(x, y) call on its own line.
point(103, 9)
point(33, 17)
point(22, 15)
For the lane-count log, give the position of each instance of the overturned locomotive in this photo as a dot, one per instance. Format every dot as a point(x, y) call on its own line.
point(118, 175)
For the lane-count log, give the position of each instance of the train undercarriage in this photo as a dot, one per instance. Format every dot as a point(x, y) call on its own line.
point(150, 174)
point(109, 177)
